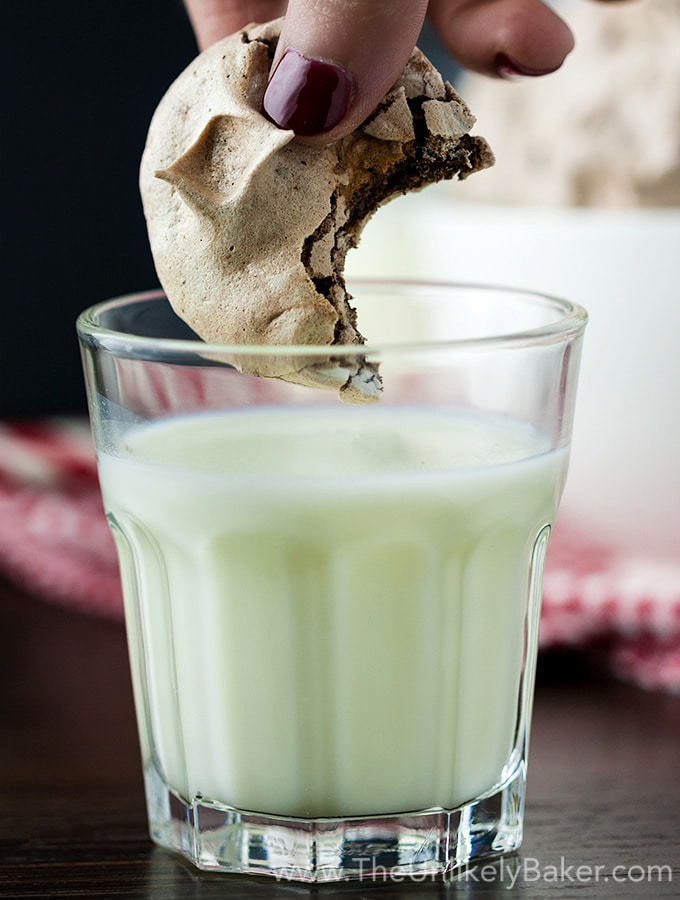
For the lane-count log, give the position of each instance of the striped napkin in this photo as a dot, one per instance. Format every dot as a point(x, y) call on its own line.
point(55, 543)
point(54, 537)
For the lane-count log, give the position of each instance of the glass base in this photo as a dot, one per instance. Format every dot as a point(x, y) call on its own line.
point(433, 843)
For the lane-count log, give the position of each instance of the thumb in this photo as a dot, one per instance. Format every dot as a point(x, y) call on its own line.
point(336, 60)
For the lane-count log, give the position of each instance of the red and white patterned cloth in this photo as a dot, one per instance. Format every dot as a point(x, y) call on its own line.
point(54, 537)
point(55, 543)
point(626, 608)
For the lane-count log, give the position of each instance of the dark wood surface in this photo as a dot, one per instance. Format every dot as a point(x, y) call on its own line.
point(604, 783)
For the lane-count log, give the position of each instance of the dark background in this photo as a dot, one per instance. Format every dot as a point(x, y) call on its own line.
point(80, 82)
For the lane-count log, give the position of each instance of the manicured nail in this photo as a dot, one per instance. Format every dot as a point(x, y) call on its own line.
point(508, 68)
point(306, 95)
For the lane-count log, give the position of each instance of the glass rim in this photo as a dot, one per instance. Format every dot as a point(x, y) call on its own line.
point(570, 322)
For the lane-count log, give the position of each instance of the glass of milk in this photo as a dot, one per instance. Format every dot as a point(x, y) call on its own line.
point(332, 609)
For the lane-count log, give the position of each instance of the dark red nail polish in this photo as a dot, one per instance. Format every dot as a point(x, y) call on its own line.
point(306, 95)
point(508, 68)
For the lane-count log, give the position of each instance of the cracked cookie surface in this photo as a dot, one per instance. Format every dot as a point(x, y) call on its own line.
point(250, 228)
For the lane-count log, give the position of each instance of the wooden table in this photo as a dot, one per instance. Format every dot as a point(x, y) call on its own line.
point(604, 783)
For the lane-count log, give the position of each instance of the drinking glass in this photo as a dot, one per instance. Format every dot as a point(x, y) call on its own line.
point(332, 608)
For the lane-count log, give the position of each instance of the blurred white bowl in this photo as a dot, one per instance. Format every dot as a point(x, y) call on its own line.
point(624, 267)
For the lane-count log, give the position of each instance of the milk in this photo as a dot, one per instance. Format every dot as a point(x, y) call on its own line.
point(332, 602)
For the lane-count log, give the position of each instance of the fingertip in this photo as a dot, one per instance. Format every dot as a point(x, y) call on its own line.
point(308, 96)
point(370, 41)
point(503, 38)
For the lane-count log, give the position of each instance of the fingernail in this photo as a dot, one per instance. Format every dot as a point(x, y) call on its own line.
point(508, 68)
point(306, 95)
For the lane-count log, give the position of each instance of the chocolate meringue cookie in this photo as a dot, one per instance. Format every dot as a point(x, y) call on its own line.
point(249, 228)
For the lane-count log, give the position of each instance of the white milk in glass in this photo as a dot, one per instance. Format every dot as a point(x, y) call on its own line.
point(332, 602)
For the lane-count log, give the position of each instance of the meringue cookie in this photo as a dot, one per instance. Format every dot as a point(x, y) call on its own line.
point(249, 228)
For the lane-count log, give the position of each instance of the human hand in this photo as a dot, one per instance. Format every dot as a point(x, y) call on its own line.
point(336, 59)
